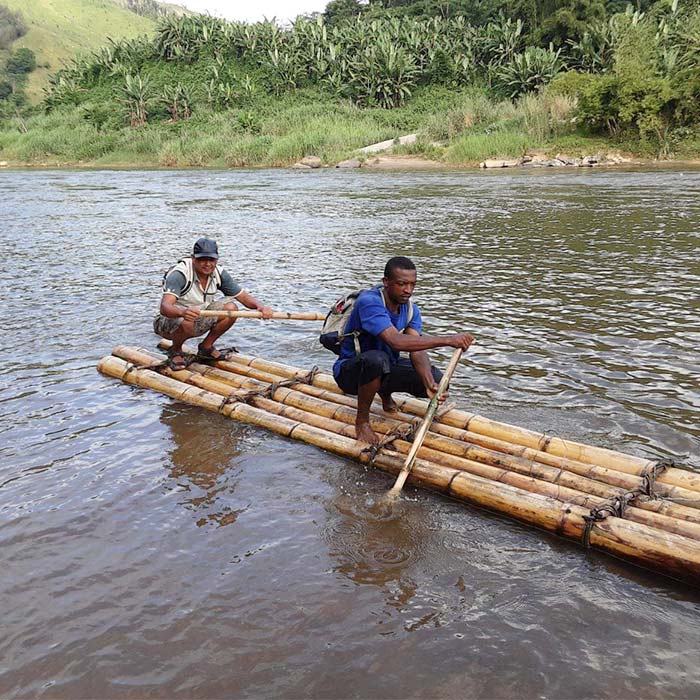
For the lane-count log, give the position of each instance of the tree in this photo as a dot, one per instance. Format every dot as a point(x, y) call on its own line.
point(5, 89)
point(338, 11)
point(21, 62)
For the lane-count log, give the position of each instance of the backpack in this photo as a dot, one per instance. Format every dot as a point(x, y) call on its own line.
point(332, 334)
point(184, 265)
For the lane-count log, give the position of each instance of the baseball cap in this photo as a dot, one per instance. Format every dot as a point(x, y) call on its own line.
point(206, 248)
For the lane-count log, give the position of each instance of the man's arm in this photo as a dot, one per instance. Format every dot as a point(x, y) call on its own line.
point(251, 302)
point(170, 309)
point(421, 363)
point(412, 342)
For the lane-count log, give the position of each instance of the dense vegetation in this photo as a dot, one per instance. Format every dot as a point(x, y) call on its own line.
point(206, 91)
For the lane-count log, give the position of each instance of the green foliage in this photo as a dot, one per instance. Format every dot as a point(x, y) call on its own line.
point(275, 93)
point(568, 22)
point(569, 84)
point(177, 99)
point(20, 62)
point(528, 71)
point(136, 92)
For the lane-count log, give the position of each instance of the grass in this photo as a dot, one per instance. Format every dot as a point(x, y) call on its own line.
point(266, 131)
point(60, 29)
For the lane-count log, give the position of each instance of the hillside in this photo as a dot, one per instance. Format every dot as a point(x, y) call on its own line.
point(59, 29)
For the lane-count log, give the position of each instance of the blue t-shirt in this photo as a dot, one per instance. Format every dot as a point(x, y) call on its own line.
point(371, 316)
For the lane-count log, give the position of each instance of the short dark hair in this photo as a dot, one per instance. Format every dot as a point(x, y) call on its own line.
point(398, 263)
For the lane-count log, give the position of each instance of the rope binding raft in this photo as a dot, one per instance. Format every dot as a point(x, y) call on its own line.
point(617, 505)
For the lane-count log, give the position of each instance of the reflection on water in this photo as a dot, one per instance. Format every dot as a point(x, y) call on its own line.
point(202, 457)
point(121, 582)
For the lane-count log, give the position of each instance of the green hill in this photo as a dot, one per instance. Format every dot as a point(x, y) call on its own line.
point(60, 29)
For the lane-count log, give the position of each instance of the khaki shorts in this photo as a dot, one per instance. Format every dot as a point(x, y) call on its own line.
point(165, 327)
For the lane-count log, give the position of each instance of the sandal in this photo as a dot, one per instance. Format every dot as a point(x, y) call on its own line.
point(177, 361)
point(213, 354)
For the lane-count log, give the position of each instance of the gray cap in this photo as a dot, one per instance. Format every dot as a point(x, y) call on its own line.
point(206, 248)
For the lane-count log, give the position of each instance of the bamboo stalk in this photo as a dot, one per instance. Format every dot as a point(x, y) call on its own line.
point(427, 420)
point(319, 412)
point(542, 442)
point(474, 426)
point(608, 476)
point(278, 315)
point(668, 553)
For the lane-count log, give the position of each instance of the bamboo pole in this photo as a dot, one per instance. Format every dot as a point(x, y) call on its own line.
point(318, 412)
point(277, 315)
point(427, 420)
point(604, 474)
point(554, 446)
point(670, 554)
point(477, 425)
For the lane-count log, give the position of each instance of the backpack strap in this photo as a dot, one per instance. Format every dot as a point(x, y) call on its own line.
point(184, 267)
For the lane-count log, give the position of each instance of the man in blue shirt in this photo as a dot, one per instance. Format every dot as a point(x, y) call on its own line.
point(384, 325)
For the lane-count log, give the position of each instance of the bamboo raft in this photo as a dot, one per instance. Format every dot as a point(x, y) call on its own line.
point(646, 512)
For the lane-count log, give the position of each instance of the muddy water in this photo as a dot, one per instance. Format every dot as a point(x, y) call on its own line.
point(152, 550)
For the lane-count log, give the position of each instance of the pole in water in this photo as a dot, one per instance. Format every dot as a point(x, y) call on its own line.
point(425, 425)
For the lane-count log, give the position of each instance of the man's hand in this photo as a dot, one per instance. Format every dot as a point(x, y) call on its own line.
point(432, 390)
point(461, 340)
point(266, 312)
point(191, 314)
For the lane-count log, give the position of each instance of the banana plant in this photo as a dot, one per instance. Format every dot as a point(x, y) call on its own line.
point(136, 93)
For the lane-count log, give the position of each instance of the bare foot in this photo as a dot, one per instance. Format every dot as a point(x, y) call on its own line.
point(388, 404)
point(365, 434)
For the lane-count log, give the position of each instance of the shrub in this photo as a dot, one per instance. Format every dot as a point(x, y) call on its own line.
point(528, 71)
point(20, 62)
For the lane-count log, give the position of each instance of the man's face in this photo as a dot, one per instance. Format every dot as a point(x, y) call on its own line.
point(204, 266)
point(399, 287)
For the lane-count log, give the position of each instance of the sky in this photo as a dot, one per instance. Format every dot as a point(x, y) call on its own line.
point(255, 10)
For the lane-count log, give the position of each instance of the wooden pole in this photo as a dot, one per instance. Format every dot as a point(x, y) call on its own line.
point(427, 420)
point(277, 315)
point(670, 554)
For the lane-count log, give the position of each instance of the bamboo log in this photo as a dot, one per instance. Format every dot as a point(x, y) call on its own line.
point(427, 420)
point(686, 512)
point(670, 554)
point(340, 419)
point(471, 422)
point(278, 315)
point(474, 425)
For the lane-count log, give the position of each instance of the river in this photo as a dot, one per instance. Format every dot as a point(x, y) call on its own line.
point(154, 550)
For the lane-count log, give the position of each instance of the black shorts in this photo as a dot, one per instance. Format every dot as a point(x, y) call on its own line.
point(367, 366)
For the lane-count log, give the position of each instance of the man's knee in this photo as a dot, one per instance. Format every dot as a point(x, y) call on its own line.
point(230, 306)
point(375, 363)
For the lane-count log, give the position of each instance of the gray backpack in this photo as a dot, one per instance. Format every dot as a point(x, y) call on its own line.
point(332, 333)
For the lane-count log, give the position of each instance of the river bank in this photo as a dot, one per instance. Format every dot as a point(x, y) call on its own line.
point(452, 131)
point(390, 163)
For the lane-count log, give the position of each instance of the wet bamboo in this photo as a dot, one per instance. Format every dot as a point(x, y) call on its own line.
point(669, 554)
point(471, 423)
point(223, 383)
point(425, 425)
point(503, 431)
point(686, 512)
point(277, 315)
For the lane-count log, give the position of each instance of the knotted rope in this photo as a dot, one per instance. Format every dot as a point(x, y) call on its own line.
point(401, 432)
point(617, 505)
point(269, 391)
